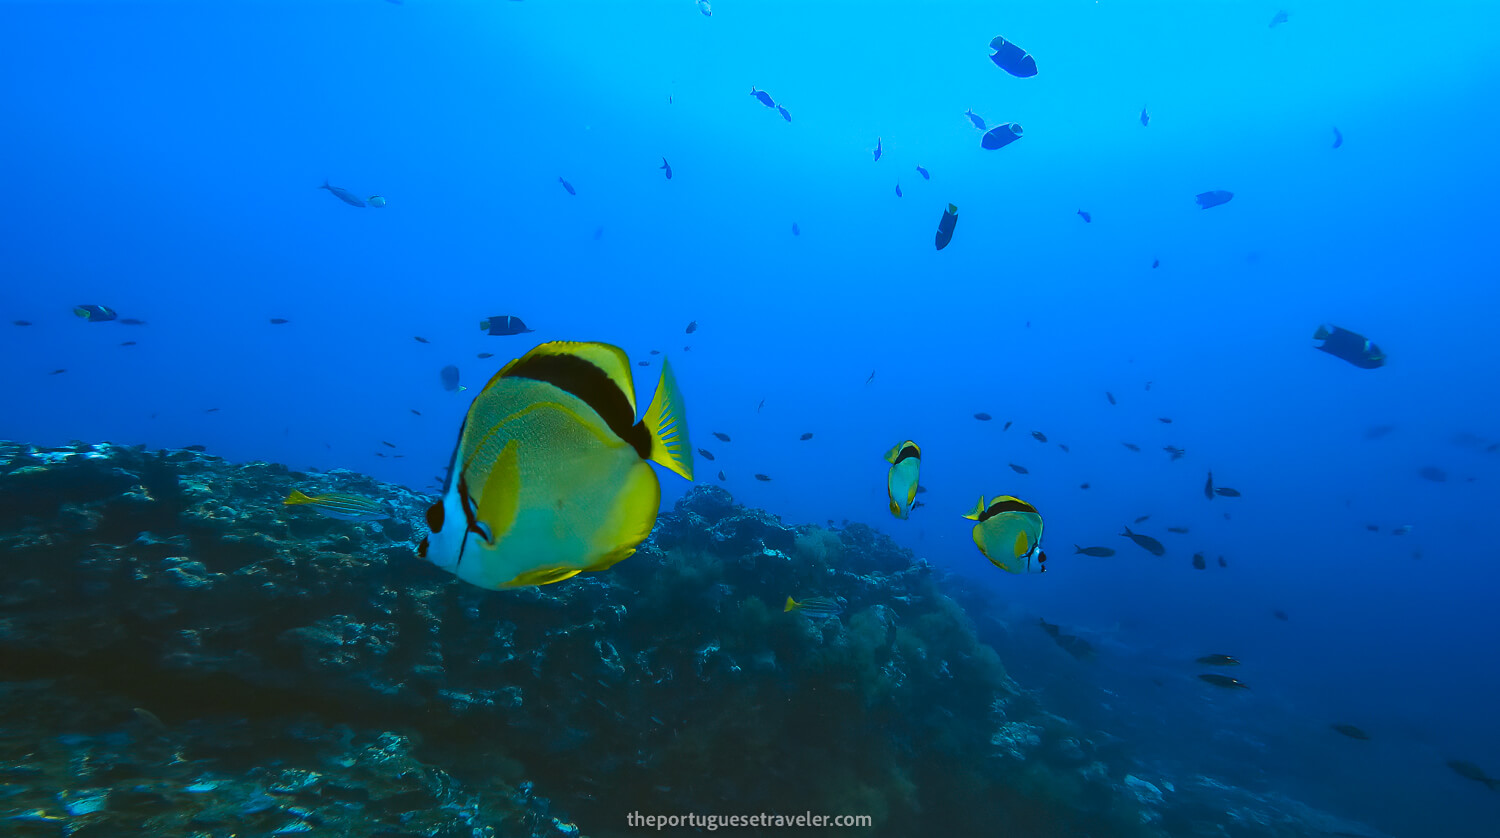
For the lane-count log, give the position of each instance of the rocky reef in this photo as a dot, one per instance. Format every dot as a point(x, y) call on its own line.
point(181, 655)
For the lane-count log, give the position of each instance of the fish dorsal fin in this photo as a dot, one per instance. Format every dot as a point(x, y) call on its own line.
point(666, 422)
point(890, 456)
point(973, 514)
point(1009, 503)
point(610, 360)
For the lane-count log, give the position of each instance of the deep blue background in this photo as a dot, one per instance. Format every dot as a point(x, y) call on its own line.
point(163, 159)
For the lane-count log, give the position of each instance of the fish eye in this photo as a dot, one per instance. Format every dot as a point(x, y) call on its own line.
point(434, 518)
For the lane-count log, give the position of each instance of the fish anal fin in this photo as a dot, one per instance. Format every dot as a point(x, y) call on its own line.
point(542, 576)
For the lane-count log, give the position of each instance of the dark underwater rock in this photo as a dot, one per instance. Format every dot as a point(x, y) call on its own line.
point(220, 662)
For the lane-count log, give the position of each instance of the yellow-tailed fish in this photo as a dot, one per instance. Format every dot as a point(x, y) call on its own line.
point(816, 607)
point(551, 477)
point(340, 505)
point(901, 481)
point(1009, 534)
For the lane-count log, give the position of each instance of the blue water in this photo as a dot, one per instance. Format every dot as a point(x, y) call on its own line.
point(163, 159)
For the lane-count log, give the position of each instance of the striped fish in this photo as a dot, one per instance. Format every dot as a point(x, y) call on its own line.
point(816, 607)
point(340, 505)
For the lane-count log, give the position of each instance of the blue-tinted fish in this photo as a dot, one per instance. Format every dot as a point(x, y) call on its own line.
point(1012, 59)
point(877, 148)
point(1001, 136)
point(975, 118)
point(1213, 198)
point(1096, 552)
point(901, 480)
point(376, 201)
point(1350, 346)
point(551, 474)
point(898, 190)
point(923, 172)
point(1145, 118)
point(796, 231)
point(946, 225)
point(763, 97)
point(1338, 137)
point(449, 377)
point(503, 325)
point(343, 195)
point(345, 507)
point(816, 607)
point(1145, 542)
point(705, 8)
point(666, 167)
point(1009, 534)
point(1087, 219)
point(567, 186)
point(1279, 17)
point(95, 314)
point(785, 114)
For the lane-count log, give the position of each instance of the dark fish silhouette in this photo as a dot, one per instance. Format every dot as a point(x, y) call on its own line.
point(1223, 681)
point(1012, 59)
point(796, 231)
point(567, 186)
point(503, 325)
point(1110, 396)
point(878, 149)
point(278, 321)
point(983, 417)
point(1214, 198)
point(763, 478)
point(946, 225)
point(1087, 219)
point(1097, 552)
point(1208, 488)
point(1434, 474)
point(898, 190)
point(1352, 732)
point(1145, 118)
point(806, 437)
point(975, 118)
point(1141, 520)
point(1199, 562)
point(666, 167)
point(449, 377)
point(1226, 492)
point(1145, 542)
point(1218, 660)
point(725, 437)
point(1155, 263)
point(763, 97)
point(1039, 436)
point(1350, 346)
point(705, 454)
point(1001, 136)
point(923, 172)
point(721, 475)
point(1132, 446)
point(785, 114)
point(343, 195)
point(484, 355)
point(1018, 469)
point(420, 339)
point(1338, 137)
point(692, 327)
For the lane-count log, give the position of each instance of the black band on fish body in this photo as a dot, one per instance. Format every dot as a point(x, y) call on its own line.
point(582, 379)
point(907, 453)
point(1006, 506)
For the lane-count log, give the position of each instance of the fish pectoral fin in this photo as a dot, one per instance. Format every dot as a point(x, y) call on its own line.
point(666, 421)
point(496, 512)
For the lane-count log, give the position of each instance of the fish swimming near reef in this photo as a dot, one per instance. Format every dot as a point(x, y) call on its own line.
point(1470, 771)
point(551, 474)
point(900, 480)
point(340, 505)
point(816, 607)
point(1009, 534)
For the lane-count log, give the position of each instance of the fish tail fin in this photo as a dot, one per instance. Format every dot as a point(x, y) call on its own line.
point(790, 604)
point(973, 514)
point(1127, 533)
point(666, 421)
point(1322, 333)
point(295, 498)
point(1077, 549)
